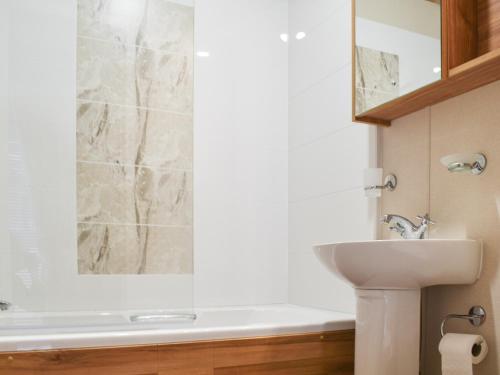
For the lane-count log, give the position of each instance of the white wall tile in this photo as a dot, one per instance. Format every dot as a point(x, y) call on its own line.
point(305, 15)
point(241, 157)
point(328, 153)
point(333, 163)
point(322, 109)
point(311, 284)
point(324, 50)
point(338, 217)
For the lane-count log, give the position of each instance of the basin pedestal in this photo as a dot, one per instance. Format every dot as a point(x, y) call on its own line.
point(387, 332)
point(388, 276)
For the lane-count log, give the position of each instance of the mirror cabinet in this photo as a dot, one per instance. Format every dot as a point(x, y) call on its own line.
point(430, 50)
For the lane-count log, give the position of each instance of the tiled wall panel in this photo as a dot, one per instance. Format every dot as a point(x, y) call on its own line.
point(134, 137)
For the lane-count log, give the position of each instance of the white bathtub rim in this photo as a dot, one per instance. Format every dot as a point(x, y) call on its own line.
point(316, 321)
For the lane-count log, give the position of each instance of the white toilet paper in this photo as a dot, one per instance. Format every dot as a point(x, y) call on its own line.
point(457, 355)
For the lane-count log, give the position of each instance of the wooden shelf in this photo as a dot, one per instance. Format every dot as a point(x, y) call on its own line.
point(463, 78)
point(491, 58)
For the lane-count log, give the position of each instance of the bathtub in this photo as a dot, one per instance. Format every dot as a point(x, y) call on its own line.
point(45, 331)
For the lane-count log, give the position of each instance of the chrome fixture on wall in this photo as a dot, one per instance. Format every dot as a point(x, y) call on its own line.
point(373, 179)
point(406, 228)
point(390, 184)
point(474, 164)
point(476, 317)
point(4, 305)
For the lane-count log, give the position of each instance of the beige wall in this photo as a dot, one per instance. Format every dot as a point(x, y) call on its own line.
point(462, 205)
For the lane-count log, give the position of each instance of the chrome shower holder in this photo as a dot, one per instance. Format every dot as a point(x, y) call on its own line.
point(390, 184)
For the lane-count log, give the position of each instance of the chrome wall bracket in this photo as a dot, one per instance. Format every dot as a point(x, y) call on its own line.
point(474, 164)
point(4, 305)
point(476, 317)
point(390, 184)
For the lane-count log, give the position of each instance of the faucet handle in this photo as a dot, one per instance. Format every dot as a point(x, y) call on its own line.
point(426, 219)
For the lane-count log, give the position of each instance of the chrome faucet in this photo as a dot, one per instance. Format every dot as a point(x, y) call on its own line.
point(406, 228)
point(4, 305)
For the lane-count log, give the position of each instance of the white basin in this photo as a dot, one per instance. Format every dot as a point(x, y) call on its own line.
point(388, 277)
point(403, 264)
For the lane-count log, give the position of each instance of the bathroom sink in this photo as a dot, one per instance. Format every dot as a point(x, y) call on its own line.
point(403, 264)
point(388, 277)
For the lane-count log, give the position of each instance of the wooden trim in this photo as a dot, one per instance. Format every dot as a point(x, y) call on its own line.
point(372, 120)
point(490, 58)
point(462, 33)
point(327, 353)
point(488, 25)
point(405, 104)
point(445, 4)
point(136, 360)
point(476, 73)
point(353, 60)
point(313, 366)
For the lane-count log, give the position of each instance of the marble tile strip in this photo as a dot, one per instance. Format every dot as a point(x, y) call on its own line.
point(119, 194)
point(117, 74)
point(154, 24)
point(129, 136)
point(116, 249)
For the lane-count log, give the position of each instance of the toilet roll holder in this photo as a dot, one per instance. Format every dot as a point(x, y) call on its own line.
point(476, 317)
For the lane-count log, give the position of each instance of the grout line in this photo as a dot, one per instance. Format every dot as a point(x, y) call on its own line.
point(122, 44)
point(319, 138)
point(186, 114)
point(133, 224)
point(303, 90)
point(133, 166)
point(327, 17)
point(346, 190)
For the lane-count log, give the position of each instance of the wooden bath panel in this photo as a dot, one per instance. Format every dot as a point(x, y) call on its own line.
point(328, 353)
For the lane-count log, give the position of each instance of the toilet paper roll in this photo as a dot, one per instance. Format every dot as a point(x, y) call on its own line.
point(459, 352)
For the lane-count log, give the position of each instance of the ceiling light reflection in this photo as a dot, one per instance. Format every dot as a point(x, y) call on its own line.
point(300, 35)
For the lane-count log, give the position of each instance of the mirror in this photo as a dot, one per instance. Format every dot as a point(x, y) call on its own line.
point(406, 57)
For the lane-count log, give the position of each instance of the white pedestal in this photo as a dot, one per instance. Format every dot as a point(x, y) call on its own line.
point(387, 332)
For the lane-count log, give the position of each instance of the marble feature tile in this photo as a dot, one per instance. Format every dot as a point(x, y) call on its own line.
point(126, 135)
point(105, 193)
point(130, 249)
point(368, 99)
point(377, 78)
point(134, 137)
point(114, 73)
point(154, 24)
point(116, 194)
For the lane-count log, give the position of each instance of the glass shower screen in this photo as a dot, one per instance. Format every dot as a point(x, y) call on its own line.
point(96, 170)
